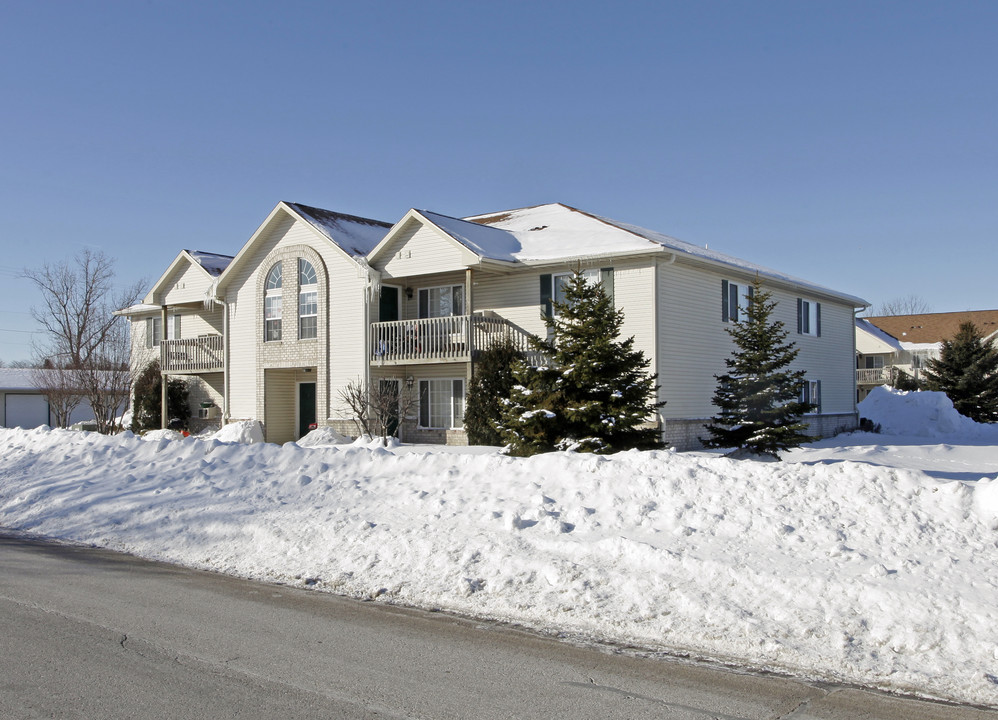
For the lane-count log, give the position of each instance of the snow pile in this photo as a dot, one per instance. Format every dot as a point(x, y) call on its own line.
point(244, 431)
point(837, 569)
point(323, 436)
point(918, 414)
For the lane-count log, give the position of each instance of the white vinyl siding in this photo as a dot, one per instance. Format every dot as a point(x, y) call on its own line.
point(422, 250)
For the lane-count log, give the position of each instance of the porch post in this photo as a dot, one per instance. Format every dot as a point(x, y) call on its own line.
point(469, 330)
point(164, 411)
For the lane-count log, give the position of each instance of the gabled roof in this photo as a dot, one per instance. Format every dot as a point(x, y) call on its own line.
point(935, 327)
point(356, 235)
point(211, 264)
point(884, 342)
point(353, 236)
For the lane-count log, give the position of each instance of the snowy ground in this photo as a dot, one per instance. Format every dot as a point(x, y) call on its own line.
point(866, 558)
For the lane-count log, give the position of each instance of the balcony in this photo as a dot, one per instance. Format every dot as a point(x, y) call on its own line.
point(873, 376)
point(191, 355)
point(457, 338)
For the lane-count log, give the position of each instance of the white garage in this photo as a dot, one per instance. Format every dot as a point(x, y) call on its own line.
point(24, 410)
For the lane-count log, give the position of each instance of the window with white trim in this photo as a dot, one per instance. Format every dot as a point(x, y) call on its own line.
point(441, 403)
point(308, 301)
point(811, 393)
point(272, 304)
point(733, 300)
point(560, 281)
point(441, 301)
point(808, 317)
point(154, 331)
point(173, 327)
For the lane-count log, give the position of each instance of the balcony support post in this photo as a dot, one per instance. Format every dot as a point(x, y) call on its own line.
point(164, 411)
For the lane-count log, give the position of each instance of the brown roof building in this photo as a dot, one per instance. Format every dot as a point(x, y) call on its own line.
point(936, 327)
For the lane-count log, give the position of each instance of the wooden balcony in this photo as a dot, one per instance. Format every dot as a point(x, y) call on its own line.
point(191, 355)
point(457, 338)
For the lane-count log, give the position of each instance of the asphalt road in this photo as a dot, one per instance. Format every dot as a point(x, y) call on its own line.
point(93, 634)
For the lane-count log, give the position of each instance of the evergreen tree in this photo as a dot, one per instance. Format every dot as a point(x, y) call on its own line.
point(489, 386)
point(759, 397)
point(967, 371)
point(148, 399)
point(594, 395)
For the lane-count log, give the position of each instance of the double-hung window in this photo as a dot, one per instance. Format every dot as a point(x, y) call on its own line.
point(441, 301)
point(553, 286)
point(811, 394)
point(808, 317)
point(733, 299)
point(441, 403)
point(154, 331)
point(308, 301)
point(272, 304)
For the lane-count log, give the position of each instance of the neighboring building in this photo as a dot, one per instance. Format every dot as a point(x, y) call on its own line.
point(23, 405)
point(317, 299)
point(888, 344)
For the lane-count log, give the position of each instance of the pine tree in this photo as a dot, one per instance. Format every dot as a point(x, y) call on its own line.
point(489, 386)
point(967, 371)
point(759, 397)
point(594, 395)
point(148, 399)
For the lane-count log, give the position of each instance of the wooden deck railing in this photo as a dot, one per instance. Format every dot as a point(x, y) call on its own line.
point(873, 376)
point(189, 355)
point(457, 338)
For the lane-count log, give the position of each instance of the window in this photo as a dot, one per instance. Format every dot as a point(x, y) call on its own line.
point(553, 286)
point(173, 327)
point(441, 403)
point(441, 301)
point(272, 304)
point(874, 362)
point(733, 300)
point(308, 301)
point(154, 331)
point(808, 317)
point(811, 393)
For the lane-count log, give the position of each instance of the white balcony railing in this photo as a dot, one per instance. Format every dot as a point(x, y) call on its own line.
point(190, 355)
point(873, 376)
point(456, 338)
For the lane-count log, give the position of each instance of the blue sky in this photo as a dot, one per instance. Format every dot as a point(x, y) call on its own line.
point(853, 144)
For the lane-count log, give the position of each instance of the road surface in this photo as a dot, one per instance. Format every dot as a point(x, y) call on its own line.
point(93, 634)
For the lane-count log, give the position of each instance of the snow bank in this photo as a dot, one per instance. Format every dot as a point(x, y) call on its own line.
point(918, 414)
point(324, 436)
point(244, 431)
point(836, 570)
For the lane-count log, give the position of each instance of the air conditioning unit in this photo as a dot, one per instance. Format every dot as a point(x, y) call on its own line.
point(207, 413)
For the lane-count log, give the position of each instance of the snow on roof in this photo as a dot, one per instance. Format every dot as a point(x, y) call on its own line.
point(556, 231)
point(868, 327)
point(214, 263)
point(355, 235)
point(16, 378)
point(489, 242)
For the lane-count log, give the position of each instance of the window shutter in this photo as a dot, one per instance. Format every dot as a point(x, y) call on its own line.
point(817, 317)
point(424, 403)
point(800, 316)
point(751, 295)
point(724, 301)
point(606, 278)
point(546, 307)
point(817, 399)
point(148, 332)
point(733, 301)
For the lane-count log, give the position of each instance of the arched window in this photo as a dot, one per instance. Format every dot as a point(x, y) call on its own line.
point(308, 301)
point(272, 304)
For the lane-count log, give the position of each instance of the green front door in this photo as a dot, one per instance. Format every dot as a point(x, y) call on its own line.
point(306, 407)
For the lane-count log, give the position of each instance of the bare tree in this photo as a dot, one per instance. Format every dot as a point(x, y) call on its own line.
point(379, 411)
point(910, 304)
point(61, 387)
point(82, 333)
